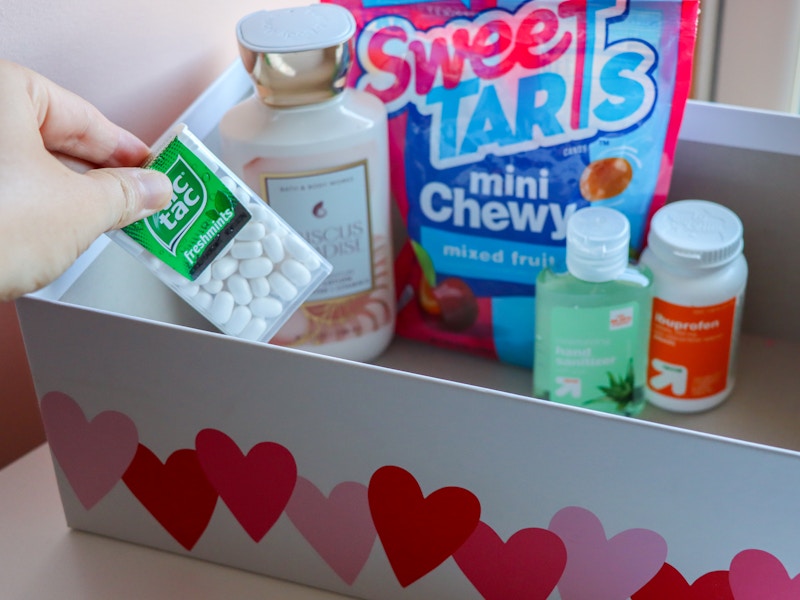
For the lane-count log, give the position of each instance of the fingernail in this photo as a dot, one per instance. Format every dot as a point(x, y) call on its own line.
point(157, 189)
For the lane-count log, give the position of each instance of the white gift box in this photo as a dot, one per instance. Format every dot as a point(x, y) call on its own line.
point(432, 474)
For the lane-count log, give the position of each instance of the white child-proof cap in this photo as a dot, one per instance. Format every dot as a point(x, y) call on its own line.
point(695, 234)
point(598, 240)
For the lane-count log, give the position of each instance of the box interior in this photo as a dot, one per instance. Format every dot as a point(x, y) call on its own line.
point(741, 158)
point(762, 409)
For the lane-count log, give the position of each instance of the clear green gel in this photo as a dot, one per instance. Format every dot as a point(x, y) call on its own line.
point(591, 340)
point(593, 320)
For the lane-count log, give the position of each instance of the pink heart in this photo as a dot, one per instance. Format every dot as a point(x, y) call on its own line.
point(338, 527)
point(93, 454)
point(255, 487)
point(603, 569)
point(755, 574)
point(527, 566)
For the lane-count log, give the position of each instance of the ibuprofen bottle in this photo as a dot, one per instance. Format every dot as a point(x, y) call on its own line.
point(592, 321)
point(694, 249)
point(318, 154)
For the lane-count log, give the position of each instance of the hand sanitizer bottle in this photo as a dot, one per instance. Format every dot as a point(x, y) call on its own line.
point(593, 321)
point(317, 152)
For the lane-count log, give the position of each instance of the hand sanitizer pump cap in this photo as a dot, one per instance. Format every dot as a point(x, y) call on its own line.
point(598, 244)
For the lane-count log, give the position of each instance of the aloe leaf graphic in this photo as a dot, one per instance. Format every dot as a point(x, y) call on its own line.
point(619, 389)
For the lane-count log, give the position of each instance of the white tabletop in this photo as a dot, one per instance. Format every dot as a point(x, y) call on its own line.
point(42, 558)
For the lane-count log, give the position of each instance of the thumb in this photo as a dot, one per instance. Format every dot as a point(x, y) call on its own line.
point(129, 194)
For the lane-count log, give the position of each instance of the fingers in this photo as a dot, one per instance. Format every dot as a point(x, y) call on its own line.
point(120, 196)
point(70, 125)
point(62, 218)
point(53, 208)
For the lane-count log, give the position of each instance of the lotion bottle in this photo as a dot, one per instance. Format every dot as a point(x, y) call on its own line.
point(593, 320)
point(317, 152)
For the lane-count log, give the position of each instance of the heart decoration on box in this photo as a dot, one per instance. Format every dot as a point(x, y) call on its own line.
point(418, 533)
point(92, 454)
point(526, 567)
point(757, 575)
point(669, 584)
point(256, 487)
point(339, 527)
point(177, 492)
point(593, 570)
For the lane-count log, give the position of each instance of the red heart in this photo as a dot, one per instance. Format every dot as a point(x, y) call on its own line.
point(256, 487)
point(669, 584)
point(527, 566)
point(177, 493)
point(419, 533)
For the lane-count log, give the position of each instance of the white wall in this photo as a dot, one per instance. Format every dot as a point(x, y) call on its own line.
point(141, 63)
point(759, 46)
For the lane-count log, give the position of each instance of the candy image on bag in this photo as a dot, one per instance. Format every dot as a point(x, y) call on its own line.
point(505, 119)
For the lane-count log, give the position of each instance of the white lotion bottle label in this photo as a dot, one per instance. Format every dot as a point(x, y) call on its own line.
point(330, 209)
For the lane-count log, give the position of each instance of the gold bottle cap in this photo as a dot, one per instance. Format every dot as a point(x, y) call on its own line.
point(297, 56)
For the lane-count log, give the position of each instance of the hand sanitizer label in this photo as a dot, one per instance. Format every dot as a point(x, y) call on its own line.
point(593, 358)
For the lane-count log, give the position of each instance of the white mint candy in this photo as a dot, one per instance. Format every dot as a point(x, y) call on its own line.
point(296, 247)
point(203, 300)
point(259, 286)
point(272, 223)
point(222, 307)
point(282, 287)
point(259, 212)
point(311, 262)
point(273, 246)
point(190, 288)
point(239, 289)
point(269, 308)
point(255, 267)
point(254, 329)
point(296, 272)
point(242, 195)
point(224, 267)
point(252, 232)
point(247, 250)
point(204, 277)
point(214, 286)
point(239, 319)
point(228, 182)
point(149, 260)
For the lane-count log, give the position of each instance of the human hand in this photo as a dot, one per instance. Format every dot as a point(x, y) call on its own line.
point(49, 211)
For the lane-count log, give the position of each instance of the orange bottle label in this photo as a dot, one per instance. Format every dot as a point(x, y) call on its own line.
point(690, 349)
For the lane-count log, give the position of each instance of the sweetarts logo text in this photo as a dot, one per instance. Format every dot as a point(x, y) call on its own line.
point(507, 82)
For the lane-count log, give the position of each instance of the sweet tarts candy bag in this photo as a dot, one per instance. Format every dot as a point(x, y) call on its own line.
point(505, 119)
